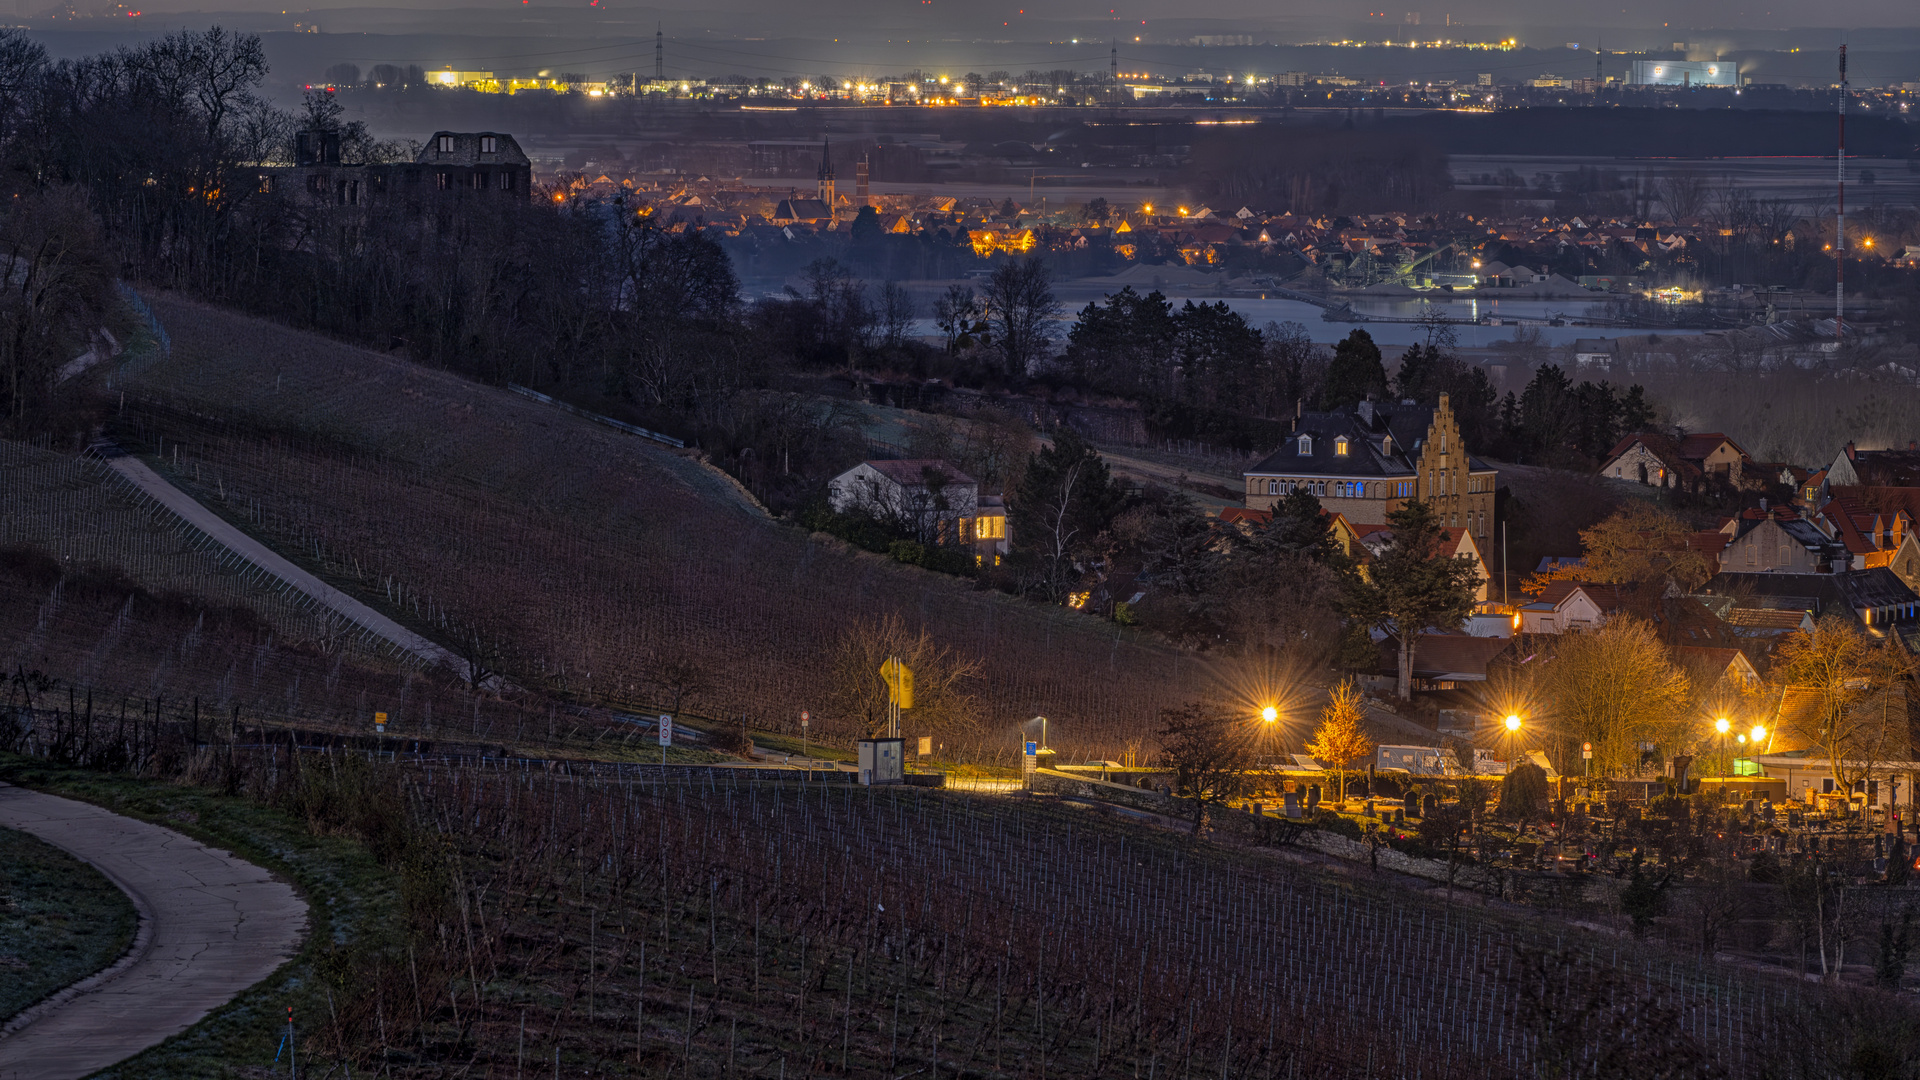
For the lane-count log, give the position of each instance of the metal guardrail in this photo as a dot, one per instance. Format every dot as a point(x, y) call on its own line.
point(617, 425)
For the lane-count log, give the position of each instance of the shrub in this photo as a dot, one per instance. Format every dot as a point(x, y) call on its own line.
point(1329, 821)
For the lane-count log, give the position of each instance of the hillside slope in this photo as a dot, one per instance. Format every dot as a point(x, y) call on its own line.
point(588, 558)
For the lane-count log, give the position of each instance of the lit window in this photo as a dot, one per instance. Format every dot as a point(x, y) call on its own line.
point(1305, 448)
point(1340, 446)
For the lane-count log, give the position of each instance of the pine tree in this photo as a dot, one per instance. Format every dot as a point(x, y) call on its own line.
point(1355, 374)
point(1414, 585)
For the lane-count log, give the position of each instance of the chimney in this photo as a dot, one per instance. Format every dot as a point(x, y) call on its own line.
point(1300, 405)
point(1849, 449)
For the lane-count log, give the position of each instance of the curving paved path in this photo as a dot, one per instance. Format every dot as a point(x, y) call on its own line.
point(211, 925)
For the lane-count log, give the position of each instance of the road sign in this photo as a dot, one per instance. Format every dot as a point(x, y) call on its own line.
point(666, 731)
point(379, 721)
point(926, 745)
point(1586, 751)
point(804, 717)
point(899, 679)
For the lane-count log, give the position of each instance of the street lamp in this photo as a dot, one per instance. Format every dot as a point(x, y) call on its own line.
point(1269, 714)
point(1513, 735)
point(1721, 725)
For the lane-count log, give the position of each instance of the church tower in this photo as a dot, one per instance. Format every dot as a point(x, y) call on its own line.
point(826, 175)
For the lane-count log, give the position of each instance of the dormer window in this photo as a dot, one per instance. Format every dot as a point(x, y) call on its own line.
point(1340, 446)
point(488, 144)
point(1305, 448)
point(446, 144)
point(1386, 444)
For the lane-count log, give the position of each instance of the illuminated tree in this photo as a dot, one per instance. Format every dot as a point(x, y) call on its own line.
point(1858, 717)
point(1639, 544)
point(1616, 688)
point(1341, 740)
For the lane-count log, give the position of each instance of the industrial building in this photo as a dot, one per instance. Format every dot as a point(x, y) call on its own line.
point(1685, 73)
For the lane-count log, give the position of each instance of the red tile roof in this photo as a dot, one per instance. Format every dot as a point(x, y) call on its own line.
point(1696, 447)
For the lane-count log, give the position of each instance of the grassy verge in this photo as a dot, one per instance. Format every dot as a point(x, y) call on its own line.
point(60, 921)
point(352, 900)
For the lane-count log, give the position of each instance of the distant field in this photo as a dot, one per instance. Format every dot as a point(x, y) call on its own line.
point(589, 555)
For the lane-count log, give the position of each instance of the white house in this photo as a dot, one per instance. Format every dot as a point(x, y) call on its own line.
point(926, 498)
point(1569, 605)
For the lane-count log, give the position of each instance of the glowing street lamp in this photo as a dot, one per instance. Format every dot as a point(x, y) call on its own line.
point(1513, 736)
point(1269, 714)
point(1722, 726)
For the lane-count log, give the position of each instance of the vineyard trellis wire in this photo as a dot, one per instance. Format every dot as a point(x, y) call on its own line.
point(63, 504)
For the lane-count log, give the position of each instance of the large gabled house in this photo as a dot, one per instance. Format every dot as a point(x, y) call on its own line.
point(928, 499)
point(1367, 461)
point(1684, 462)
point(448, 166)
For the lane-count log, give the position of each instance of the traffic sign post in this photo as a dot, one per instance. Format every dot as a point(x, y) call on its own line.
point(379, 721)
point(804, 717)
point(1586, 754)
point(666, 736)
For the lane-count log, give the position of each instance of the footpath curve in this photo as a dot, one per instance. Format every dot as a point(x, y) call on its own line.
point(211, 925)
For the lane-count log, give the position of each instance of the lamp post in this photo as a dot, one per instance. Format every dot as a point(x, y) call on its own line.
point(1758, 736)
point(1513, 739)
point(1269, 724)
point(1721, 725)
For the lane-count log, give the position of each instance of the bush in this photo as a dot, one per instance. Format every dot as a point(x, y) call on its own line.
point(1523, 792)
point(1329, 821)
point(732, 740)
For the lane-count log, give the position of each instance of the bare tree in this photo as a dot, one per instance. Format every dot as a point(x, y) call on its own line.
point(1859, 718)
point(1210, 753)
point(1685, 194)
point(1021, 309)
point(681, 679)
point(857, 695)
point(896, 313)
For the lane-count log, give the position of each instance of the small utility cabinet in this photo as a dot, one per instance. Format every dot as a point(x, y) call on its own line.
point(883, 761)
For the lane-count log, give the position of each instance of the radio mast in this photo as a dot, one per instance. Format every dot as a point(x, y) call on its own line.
point(1840, 215)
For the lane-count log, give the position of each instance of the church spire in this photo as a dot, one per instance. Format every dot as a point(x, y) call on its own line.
point(826, 174)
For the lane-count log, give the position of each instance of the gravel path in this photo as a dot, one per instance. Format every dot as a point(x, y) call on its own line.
point(211, 925)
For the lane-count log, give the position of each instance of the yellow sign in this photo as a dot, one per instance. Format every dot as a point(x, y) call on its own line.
point(899, 679)
point(379, 721)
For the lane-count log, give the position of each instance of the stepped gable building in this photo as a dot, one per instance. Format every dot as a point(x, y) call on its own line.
point(1367, 461)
